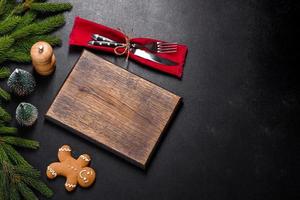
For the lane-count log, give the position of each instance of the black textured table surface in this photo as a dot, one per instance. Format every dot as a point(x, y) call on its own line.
point(234, 135)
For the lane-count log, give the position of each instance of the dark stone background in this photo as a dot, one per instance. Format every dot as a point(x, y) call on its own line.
point(235, 137)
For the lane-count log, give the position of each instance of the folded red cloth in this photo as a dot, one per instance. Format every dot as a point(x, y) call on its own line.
point(82, 33)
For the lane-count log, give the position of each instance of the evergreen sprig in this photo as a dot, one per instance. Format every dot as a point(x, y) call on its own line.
point(4, 116)
point(7, 130)
point(9, 24)
point(44, 26)
point(2, 6)
point(4, 95)
point(4, 72)
point(50, 7)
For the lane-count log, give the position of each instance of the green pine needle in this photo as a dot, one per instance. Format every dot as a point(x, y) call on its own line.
point(38, 185)
point(20, 142)
point(4, 72)
point(4, 185)
point(2, 7)
point(5, 130)
point(27, 171)
point(4, 95)
point(50, 7)
point(3, 155)
point(25, 191)
point(18, 56)
point(9, 24)
point(27, 44)
point(14, 156)
point(5, 43)
point(4, 116)
point(38, 28)
point(13, 193)
point(27, 18)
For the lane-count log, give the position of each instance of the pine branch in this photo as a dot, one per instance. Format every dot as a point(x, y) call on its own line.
point(5, 130)
point(3, 156)
point(17, 56)
point(25, 191)
point(50, 7)
point(27, 171)
point(5, 43)
point(2, 6)
point(27, 44)
point(14, 156)
point(4, 116)
point(38, 28)
point(38, 185)
point(9, 6)
point(20, 142)
point(4, 72)
point(9, 24)
point(4, 95)
point(4, 185)
point(13, 193)
point(27, 18)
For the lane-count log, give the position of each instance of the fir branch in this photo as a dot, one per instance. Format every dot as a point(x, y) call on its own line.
point(2, 6)
point(4, 72)
point(25, 191)
point(27, 18)
point(4, 116)
point(13, 193)
point(38, 28)
point(50, 7)
point(14, 156)
point(9, 6)
point(38, 185)
point(27, 171)
point(9, 24)
point(17, 56)
point(3, 156)
point(5, 130)
point(5, 43)
point(27, 44)
point(4, 185)
point(20, 142)
point(4, 95)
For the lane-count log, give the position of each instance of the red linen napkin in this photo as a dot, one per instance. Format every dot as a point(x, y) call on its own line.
point(82, 33)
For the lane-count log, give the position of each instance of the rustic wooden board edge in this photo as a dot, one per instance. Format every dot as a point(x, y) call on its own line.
point(136, 163)
point(171, 118)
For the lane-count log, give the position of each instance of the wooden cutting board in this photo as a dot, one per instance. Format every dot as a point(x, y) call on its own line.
point(114, 108)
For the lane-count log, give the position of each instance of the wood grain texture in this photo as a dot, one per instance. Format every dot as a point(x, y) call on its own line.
point(114, 108)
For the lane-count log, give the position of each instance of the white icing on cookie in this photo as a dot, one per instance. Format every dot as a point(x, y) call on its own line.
point(82, 176)
point(70, 185)
point(64, 149)
point(85, 158)
point(53, 173)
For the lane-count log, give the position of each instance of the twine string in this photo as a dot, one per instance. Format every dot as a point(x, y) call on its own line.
point(125, 46)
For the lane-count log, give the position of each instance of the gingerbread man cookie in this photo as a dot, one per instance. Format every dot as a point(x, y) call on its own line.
point(75, 171)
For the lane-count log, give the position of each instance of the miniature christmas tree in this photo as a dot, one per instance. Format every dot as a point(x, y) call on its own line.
point(26, 114)
point(21, 82)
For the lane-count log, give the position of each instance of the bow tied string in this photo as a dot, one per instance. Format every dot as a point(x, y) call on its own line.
point(124, 48)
